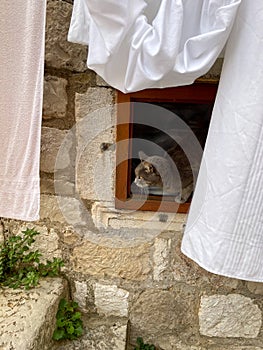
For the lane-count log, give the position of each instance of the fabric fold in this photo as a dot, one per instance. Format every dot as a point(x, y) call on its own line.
point(132, 51)
point(22, 31)
point(224, 232)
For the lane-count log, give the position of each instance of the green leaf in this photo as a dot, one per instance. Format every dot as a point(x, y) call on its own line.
point(59, 334)
point(139, 341)
point(79, 331)
point(70, 328)
point(14, 239)
point(62, 304)
point(76, 316)
point(60, 322)
point(60, 313)
point(69, 308)
point(75, 305)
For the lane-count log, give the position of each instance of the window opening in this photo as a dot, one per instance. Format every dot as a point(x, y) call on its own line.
point(156, 146)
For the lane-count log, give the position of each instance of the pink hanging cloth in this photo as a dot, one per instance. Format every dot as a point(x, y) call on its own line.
point(22, 29)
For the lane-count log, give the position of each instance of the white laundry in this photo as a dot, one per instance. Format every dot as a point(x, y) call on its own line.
point(22, 28)
point(141, 44)
point(224, 233)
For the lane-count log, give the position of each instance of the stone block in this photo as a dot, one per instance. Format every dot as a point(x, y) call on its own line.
point(59, 187)
point(47, 186)
point(80, 295)
point(105, 335)
point(230, 315)
point(55, 97)
point(111, 300)
point(51, 140)
point(134, 227)
point(95, 99)
point(163, 312)
point(48, 243)
point(187, 271)
point(255, 287)
point(162, 250)
point(59, 53)
point(106, 216)
point(65, 210)
point(102, 334)
point(49, 209)
point(100, 261)
point(27, 318)
point(95, 171)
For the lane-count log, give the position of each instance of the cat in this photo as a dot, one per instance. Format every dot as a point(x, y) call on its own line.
point(171, 174)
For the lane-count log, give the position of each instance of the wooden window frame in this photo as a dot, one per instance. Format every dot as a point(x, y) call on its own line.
point(199, 92)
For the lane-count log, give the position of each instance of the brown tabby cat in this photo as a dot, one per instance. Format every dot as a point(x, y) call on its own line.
point(171, 174)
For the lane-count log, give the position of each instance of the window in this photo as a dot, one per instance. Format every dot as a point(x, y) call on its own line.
point(147, 121)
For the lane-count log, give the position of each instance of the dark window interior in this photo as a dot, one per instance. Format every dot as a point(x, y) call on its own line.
point(195, 115)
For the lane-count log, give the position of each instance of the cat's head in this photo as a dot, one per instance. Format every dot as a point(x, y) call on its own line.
point(146, 174)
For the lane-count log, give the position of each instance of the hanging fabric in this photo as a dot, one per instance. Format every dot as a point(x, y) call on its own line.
point(224, 233)
point(141, 44)
point(22, 28)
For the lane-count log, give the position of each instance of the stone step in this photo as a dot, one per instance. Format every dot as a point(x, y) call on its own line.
point(100, 333)
point(27, 318)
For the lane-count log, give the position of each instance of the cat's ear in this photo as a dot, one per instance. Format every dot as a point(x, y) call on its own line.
point(142, 156)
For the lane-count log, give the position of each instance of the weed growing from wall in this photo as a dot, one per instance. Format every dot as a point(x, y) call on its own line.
point(68, 321)
point(141, 346)
point(20, 266)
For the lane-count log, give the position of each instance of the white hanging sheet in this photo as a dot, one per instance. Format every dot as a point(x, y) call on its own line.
point(22, 28)
point(138, 44)
point(224, 233)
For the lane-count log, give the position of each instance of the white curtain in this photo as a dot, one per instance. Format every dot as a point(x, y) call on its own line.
point(137, 44)
point(224, 233)
point(22, 27)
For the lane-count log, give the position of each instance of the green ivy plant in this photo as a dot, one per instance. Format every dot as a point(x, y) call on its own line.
point(68, 321)
point(20, 266)
point(141, 346)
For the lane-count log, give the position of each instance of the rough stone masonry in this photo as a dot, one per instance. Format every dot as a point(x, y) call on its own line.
point(160, 294)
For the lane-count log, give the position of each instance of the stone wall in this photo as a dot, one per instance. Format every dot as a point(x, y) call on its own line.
point(145, 280)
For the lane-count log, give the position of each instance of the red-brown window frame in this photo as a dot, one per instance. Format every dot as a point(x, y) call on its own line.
point(199, 92)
